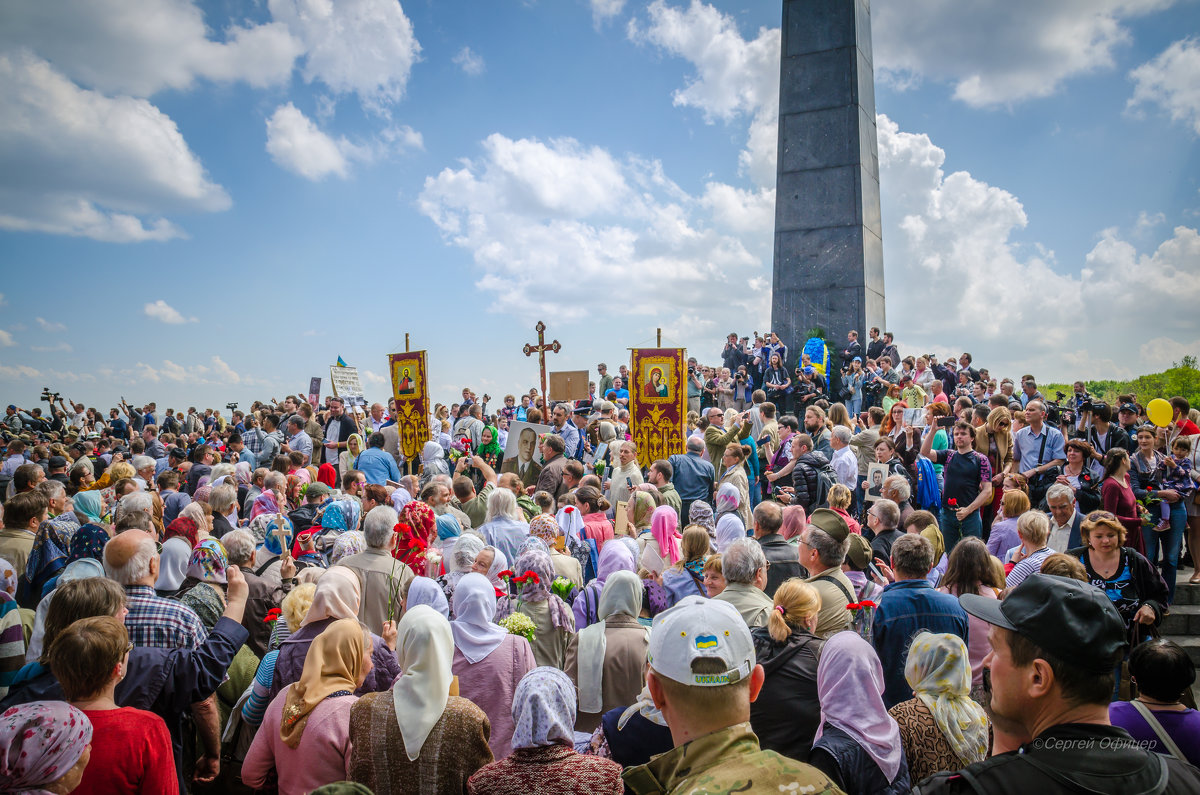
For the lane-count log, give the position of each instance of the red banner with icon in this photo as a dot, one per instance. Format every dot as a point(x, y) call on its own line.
point(410, 388)
point(658, 402)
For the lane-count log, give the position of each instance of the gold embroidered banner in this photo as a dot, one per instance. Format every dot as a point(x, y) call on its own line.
point(658, 402)
point(410, 388)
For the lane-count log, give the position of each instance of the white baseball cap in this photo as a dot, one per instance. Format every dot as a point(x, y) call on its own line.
point(697, 627)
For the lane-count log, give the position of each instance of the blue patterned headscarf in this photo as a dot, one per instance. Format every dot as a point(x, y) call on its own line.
point(88, 542)
point(340, 515)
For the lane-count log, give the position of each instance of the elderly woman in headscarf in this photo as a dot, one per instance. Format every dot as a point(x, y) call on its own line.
point(732, 470)
point(640, 509)
point(47, 745)
point(337, 596)
point(661, 550)
point(340, 516)
point(488, 660)
point(460, 562)
point(505, 526)
point(543, 757)
point(546, 527)
point(941, 728)
point(421, 737)
point(613, 558)
point(433, 462)
point(730, 526)
point(606, 660)
point(424, 591)
point(491, 562)
point(858, 743)
point(305, 735)
point(554, 624)
point(201, 515)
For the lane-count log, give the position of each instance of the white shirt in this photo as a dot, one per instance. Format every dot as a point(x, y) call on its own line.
point(845, 464)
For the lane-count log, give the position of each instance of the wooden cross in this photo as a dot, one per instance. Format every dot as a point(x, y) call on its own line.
point(280, 532)
point(541, 349)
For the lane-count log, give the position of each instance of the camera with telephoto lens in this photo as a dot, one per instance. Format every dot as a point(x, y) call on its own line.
point(1058, 414)
point(48, 396)
point(231, 406)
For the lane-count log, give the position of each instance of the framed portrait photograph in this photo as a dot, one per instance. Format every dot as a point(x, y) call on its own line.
point(521, 454)
point(876, 474)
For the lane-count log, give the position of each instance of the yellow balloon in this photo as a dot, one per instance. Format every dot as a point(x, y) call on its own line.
point(1160, 412)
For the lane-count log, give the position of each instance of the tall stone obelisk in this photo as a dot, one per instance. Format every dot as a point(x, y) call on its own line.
point(828, 241)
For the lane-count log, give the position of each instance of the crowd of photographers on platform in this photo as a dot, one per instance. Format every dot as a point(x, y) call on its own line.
point(865, 572)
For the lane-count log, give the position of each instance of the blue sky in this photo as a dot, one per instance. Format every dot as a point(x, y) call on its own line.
point(210, 202)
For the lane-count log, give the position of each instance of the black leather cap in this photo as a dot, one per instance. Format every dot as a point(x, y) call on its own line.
point(1072, 620)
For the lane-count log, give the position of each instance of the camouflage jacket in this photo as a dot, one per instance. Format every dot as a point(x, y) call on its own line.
point(725, 762)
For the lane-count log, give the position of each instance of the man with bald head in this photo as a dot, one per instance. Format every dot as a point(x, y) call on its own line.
point(131, 559)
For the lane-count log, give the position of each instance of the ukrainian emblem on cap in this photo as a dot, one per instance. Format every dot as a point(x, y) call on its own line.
point(706, 641)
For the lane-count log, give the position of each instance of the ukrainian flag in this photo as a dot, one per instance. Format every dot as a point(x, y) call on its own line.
point(341, 362)
point(706, 641)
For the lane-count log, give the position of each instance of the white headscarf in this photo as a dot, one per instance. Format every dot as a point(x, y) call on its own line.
point(622, 594)
point(424, 591)
point(173, 563)
point(425, 651)
point(474, 608)
point(570, 520)
point(543, 709)
point(400, 498)
point(729, 529)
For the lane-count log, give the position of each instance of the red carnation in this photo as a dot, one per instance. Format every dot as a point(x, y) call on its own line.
point(867, 603)
point(532, 575)
point(506, 573)
point(853, 606)
point(952, 502)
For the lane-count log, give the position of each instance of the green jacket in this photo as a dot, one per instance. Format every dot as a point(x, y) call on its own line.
point(671, 497)
point(717, 439)
point(724, 762)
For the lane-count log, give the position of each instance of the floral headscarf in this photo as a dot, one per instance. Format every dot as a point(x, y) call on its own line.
point(543, 709)
point(544, 526)
point(939, 671)
point(348, 543)
point(186, 529)
point(88, 542)
point(208, 562)
point(728, 498)
point(641, 509)
point(8, 578)
point(46, 558)
point(420, 517)
point(41, 741)
point(340, 515)
point(701, 515)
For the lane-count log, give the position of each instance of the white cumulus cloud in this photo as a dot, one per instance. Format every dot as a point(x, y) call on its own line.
point(528, 208)
point(364, 47)
point(141, 47)
point(50, 326)
point(77, 162)
point(295, 143)
point(999, 52)
point(161, 310)
point(470, 61)
point(1171, 80)
point(6, 339)
point(58, 347)
point(603, 10)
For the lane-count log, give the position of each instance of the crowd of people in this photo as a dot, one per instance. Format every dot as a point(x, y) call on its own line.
point(863, 574)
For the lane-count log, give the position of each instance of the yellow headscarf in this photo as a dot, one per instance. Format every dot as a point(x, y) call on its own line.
point(334, 662)
point(939, 672)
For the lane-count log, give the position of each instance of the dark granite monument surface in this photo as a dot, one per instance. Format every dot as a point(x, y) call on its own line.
point(828, 241)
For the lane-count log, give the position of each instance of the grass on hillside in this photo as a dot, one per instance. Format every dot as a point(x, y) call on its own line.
point(1182, 378)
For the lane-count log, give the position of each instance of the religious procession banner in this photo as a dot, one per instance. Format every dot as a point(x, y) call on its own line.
point(658, 402)
point(410, 387)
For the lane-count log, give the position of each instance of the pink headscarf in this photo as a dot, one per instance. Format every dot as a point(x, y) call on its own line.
point(794, 521)
point(40, 742)
point(850, 689)
point(664, 526)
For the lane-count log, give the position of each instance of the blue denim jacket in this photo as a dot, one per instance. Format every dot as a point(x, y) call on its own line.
point(906, 608)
